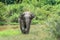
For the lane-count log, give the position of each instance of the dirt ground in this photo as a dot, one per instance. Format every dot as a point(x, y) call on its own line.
point(37, 32)
point(6, 27)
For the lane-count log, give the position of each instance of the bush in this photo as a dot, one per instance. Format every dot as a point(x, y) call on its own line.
point(2, 13)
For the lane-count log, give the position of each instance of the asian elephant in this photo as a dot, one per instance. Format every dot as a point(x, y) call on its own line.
point(25, 21)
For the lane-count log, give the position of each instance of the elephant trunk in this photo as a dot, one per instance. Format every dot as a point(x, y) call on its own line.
point(27, 25)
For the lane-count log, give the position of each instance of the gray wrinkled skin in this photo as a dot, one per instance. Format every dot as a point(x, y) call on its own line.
point(25, 21)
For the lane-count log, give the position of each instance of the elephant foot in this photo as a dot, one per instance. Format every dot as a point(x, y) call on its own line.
point(25, 32)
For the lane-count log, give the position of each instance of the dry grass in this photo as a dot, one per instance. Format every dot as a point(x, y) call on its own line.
point(37, 32)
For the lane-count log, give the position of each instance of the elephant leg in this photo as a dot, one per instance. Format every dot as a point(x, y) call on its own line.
point(22, 26)
point(27, 30)
point(28, 27)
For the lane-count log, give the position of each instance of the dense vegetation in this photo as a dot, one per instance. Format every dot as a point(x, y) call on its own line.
point(46, 11)
point(43, 9)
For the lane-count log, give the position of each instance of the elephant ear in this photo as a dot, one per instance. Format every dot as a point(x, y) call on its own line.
point(32, 16)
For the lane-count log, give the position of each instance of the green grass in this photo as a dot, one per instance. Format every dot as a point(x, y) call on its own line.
point(37, 32)
point(9, 32)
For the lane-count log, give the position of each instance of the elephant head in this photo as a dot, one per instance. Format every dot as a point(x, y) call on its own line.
point(25, 21)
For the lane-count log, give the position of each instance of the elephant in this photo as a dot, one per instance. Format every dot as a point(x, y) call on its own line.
point(25, 21)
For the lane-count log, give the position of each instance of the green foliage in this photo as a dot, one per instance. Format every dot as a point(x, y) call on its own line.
point(2, 13)
point(46, 12)
point(11, 1)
